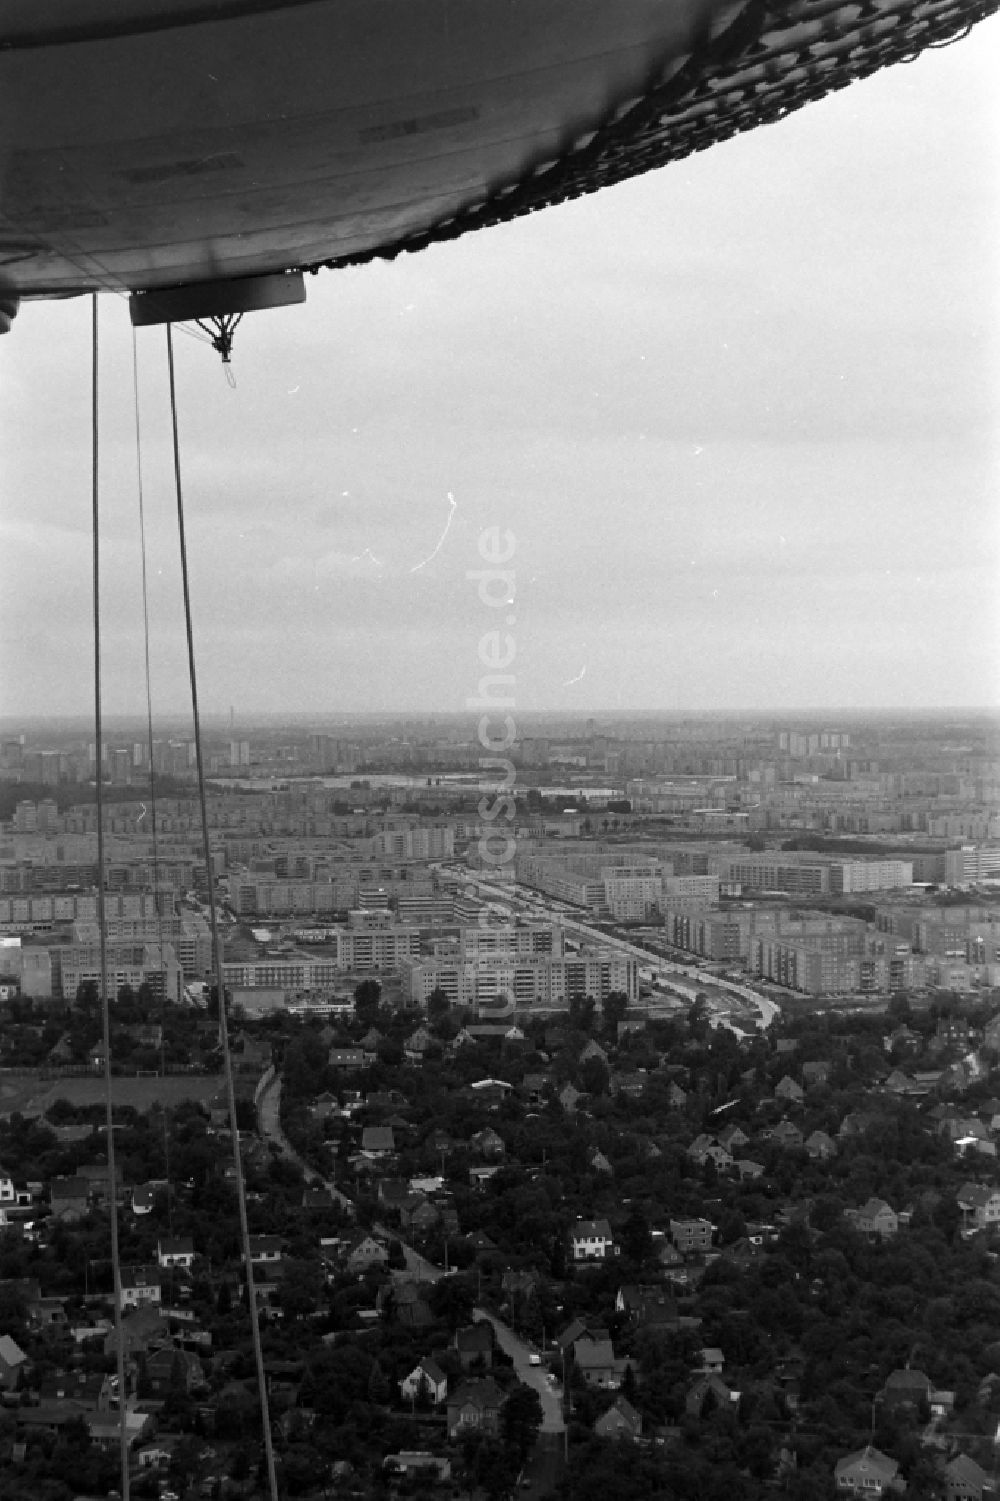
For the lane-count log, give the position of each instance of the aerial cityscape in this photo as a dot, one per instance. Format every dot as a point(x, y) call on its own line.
point(617, 1112)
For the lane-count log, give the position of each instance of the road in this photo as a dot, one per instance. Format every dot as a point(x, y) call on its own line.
point(532, 1375)
point(269, 1125)
point(688, 978)
point(416, 1265)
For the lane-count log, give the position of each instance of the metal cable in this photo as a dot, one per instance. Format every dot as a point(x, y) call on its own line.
point(101, 920)
point(216, 947)
point(152, 772)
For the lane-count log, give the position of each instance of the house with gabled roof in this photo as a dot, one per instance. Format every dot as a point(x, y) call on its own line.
point(868, 1472)
point(732, 1136)
point(349, 1058)
point(621, 1421)
point(475, 1407)
point(787, 1089)
point(417, 1044)
point(708, 1388)
point(701, 1148)
point(265, 1250)
point(906, 1388)
point(139, 1284)
point(409, 1303)
point(420, 1216)
point(364, 1251)
point(428, 1377)
point(143, 1199)
point(595, 1360)
point(176, 1252)
point(876, 1218)
point(378, 1141)
point(979, 1204)
point(393, 1192)
point(964, 1480)
point(786, 1134)
point(647, 1307)
point(474, 1344)
point(69, 1197)
point(591, 1240)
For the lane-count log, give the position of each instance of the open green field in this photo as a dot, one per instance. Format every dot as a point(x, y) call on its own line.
point(18, 1092)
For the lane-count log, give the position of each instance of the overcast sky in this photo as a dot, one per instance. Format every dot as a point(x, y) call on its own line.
point(740, 417)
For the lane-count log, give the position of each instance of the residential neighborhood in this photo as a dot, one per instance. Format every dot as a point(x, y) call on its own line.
point(718, 1280)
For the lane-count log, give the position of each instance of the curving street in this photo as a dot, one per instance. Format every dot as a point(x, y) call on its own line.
point(532, 1375)
point(269, 1125)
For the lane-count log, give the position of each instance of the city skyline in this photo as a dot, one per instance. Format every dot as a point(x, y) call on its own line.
point(737, 417)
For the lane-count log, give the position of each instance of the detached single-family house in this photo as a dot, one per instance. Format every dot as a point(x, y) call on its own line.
point(869, 1472)
point(591, 1240)
point(787, 1089)
point(475, 1407)
point(876, 1217)
point(620, 1421)
point(140, 1285)
point(474, 1344)
point(708, 1390)
point(426, 1377)
point(143, 1199)
point(786, 1134)
point(416, 1045)
point(70, 1198)
point(964, 1480)
point(980, 1206)
point(351, 1058)
point(378, 1141)
point(175, 1253)
point(265, 1250)
point(596, 1362)
point(906, 1389)
point(365, 1251)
